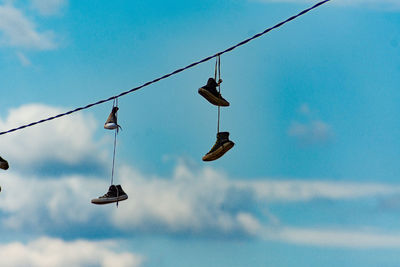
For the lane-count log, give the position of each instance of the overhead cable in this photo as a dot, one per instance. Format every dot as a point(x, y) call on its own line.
point(169, 74)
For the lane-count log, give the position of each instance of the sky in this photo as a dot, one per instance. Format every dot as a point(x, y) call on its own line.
point(313, 178)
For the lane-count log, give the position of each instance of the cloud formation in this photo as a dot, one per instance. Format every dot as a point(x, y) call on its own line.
point(49, 7)
point(23, 59)
point(194, 202)
point(297, 190)
point(49, 204)
point(18, 31)
point(201, 203)
point(311, 132)
point(310, 129)
point(353, 239)
point(68, 141)
point(197, 201)
point(51, 252)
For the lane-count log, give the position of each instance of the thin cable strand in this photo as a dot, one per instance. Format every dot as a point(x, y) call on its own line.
point(169, 74)
point(113, 161)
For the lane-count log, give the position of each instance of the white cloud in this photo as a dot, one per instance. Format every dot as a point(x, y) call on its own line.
point(177, 206)
point(191, 201)
point(17, 30)
point(298, 190)
point(188, 202)
point(68, 140)
point(355, 239)
point(50, 252)
point(311, 129)
point(199, 204)
point(201, 200)
point(248, 222)
point(311, 132)
point(48, 203)
point(48, 7)
point(23, 59)
point(380, 4)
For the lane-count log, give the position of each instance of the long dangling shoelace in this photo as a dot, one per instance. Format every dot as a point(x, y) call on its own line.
point(115, 145)
point(113, 162)
point(219, 81)
point(117, 196)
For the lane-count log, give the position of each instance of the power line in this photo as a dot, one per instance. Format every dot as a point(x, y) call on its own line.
point(169, 74)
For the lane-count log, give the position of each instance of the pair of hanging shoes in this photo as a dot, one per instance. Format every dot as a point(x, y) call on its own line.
point(223, 144)
point(3, 164)
point(115, 194)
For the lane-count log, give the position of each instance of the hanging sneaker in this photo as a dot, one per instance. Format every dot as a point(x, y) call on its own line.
point(3, 164)
point(114, 194)
point(111, 123)
point(222, 145)
point(210, 93)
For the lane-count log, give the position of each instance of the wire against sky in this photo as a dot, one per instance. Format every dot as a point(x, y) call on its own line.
point(169, 74)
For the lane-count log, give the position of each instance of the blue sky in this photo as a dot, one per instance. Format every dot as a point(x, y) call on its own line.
point(311, 181)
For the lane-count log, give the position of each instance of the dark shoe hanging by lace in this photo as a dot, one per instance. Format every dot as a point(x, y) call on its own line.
point(3, 164)
point(111, 123)
point(222, 145)
point(115, 194)
point(209, 92)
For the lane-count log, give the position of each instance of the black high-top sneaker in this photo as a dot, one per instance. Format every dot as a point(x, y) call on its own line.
point(222, 145)
point(114, 194)
point(209, 92)
point(3, 164)
point(111, 123)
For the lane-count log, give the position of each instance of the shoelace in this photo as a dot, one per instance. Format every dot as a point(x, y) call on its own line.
point(117, 195)
point(108, 194)
point(218, 71)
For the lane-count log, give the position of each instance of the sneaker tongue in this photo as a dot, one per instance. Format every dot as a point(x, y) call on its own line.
point(212, 82)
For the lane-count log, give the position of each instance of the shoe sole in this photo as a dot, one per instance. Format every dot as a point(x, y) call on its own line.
point(110, 126)
point(102, 201)
point(219, 152)
point(212, 98)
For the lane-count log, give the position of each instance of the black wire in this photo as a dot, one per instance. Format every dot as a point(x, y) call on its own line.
point(169, 74)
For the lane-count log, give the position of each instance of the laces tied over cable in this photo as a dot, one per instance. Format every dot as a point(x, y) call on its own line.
point(212, 93)
point(117, 196)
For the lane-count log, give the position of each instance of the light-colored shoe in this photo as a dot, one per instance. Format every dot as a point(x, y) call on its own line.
point(111, 122)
